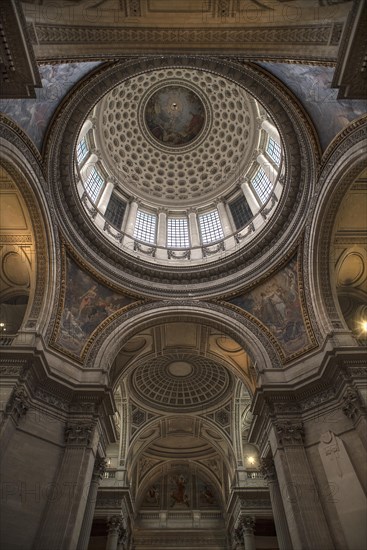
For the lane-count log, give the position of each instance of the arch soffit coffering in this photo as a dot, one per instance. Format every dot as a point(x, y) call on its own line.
point(344, 160)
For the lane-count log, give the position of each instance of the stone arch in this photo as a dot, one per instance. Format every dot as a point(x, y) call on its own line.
point(343, 162)
point(245, 332)
point(133, 455)
point(21, 161)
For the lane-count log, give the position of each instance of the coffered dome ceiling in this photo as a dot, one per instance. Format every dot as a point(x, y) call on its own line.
point(188, 382)
point(177, 137)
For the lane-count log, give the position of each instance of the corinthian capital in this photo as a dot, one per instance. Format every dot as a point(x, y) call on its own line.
point(18, 404)
point(289, 433)
point(115, 524)
point(352, 405)
point(267, 468)
point(78, 434)
point(248, 524)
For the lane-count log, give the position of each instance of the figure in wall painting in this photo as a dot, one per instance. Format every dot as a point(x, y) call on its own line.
point(152, 496)
point(276, 303)
point(87, 304)
point(179, 493)
point(206, 496)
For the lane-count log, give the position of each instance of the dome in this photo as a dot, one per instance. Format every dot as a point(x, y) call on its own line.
point(175, 382)
point(177, 165)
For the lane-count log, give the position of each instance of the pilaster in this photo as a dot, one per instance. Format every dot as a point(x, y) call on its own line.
point(281, 526)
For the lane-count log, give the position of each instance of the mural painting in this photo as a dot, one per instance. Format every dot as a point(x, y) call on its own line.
point(179, 492)
point(174, 115)
point(87, 304)
point(312, 86)
point(34, 115)
point(207, 498)
point(152, 497)
point(276, 303)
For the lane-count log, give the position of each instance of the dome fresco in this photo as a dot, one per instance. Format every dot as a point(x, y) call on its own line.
point(174, 115)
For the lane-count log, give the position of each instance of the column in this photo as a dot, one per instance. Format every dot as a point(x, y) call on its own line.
point(61, 524)
point(250, 197)
point(248, 527)
point(268, 168)
point(88, 124)
point(131, 219)
point(114, 526)
point(194, 235)
point(98, 471)
point(305, 517)
point(162, 234)
point(88, 166)
point(226, 224)
point(271, 130)
point(105, 197)
point(280, 520)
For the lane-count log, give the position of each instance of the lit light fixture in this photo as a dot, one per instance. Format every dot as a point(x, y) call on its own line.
point(2, 324)
point(251, 459)
point(364, 326)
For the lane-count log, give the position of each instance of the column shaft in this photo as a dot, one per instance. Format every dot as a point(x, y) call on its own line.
point(250, 197)
point(131, 219)
point(268, 168)
point(105, 197)
point(271, 130)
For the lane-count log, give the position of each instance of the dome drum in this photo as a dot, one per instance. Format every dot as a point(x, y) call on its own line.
point(225, 198)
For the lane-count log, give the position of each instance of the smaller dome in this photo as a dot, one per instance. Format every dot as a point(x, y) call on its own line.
point(188, 382)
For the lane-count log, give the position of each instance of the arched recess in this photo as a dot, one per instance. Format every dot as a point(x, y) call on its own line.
point(216, 440)
point(248, 335)
point(343, 162)
point(159, 471)
point(22, 164)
